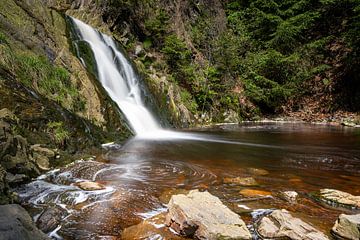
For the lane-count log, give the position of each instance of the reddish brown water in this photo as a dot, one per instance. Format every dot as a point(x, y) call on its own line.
point(298, 157)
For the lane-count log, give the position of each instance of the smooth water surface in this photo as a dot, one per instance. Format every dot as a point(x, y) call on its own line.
point(139, 175)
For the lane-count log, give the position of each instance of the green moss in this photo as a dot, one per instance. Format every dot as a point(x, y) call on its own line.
point(49, 80)
point(3, 38)
point(84, 52)
point(58, 133)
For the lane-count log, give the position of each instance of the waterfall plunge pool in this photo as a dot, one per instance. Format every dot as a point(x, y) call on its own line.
point(141, 176)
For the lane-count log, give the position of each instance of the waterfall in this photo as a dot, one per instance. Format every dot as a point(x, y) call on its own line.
point(120, 81)
point(118, 78)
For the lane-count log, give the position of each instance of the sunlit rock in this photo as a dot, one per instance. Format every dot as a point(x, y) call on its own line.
point(289, 196)
point(281, 225)
point(338, 198)
point(152, 228)
point(347, 227)
point(203, 216)
point(90, 186)
point(243, 181)
point(254, 193)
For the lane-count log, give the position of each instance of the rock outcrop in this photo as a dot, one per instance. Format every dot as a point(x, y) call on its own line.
point(281, 225)
point(203, 216)
point(16, 223)
point(347, 227)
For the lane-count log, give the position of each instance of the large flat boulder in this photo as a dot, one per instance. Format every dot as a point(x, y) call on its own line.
point(347, 227)
point(281, 225)
point(338, 198)
point(204, 216)
point(16, 223)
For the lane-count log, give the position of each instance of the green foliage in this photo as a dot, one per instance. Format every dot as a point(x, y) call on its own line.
point(157, 24)
point(188, 100)
point(274, 47)
point(49, 80)
point(147, 43)
point(58, 133)
point(3, 38)
point(176, 51)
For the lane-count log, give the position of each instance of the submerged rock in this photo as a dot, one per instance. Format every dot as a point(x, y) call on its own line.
point(338, 198)
point(243, 181)
point(347, 227)
point(152, 228)
point(16, 223)
point(50, 219)
point(204, 216)
point(168, 193)
point(254, 193)
point(257, 171)
point(90, 186)
point(281, 225)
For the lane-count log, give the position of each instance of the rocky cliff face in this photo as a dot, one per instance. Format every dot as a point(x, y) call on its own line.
point(46, 96)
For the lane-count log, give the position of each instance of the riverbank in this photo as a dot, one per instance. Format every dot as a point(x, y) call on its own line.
point(348, 119)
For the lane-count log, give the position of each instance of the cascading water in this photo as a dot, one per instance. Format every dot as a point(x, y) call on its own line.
point(118, 77)
point(121, 83)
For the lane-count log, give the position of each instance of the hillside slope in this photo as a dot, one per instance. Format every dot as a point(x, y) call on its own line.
point(235, 60)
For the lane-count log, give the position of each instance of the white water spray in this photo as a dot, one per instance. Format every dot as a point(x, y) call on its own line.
point(121, 83)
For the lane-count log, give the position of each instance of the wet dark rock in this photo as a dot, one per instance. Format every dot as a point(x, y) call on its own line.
point(15, 153)
point(338, 198)
point(347, 227)
point(280, 224)
point(50, 219)
point(204, 216)
point(4, 188)
point(16, 223)
point(15, 179)
point(242, 181)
